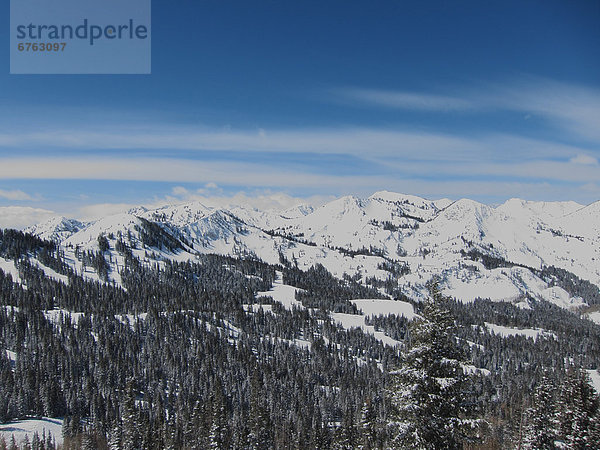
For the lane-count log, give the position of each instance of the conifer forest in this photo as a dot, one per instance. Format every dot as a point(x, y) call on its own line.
point(187, 355)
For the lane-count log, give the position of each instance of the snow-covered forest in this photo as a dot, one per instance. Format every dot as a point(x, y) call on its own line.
point(194, 328)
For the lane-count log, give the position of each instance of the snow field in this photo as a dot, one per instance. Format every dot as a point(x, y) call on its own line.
point(50, 273)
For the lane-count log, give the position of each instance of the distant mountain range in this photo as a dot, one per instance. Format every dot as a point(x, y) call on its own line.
point(519, 251)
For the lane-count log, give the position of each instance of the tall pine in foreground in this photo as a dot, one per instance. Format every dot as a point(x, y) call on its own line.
point(429, 391)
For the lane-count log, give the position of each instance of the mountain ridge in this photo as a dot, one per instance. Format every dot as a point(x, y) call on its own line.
point(377, 237)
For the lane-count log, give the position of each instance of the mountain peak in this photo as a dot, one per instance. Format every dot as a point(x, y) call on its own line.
point(56, 228)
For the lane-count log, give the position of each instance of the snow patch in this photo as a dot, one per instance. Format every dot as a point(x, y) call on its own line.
point(54, 316)
point(349, 321)
point(12, 357)
point(377, 307)
point(256, 307)
point(282, 293)
point(9, 268)
point(131, 319)
point(470, 369)
point(21, 428)
point(595, 379)
point(594, 317)
point(533, 333)
point(50, 273)
point(300, 343)
point(560, 297)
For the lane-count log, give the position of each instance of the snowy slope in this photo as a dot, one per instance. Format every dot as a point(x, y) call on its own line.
point(350, 321)
point(87, 237)
point(9, 268)
point(594, 317)
point(282, 293)
point(56, 229)
point(582, 222)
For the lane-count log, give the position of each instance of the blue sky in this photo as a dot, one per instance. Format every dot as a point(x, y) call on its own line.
point(287, 100)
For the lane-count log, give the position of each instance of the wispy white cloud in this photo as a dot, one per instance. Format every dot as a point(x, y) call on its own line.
point(557, 171)
point(412, 177)
point(396, 158)
point(171, 170)
point(266, 174)
point(15, 195)
point(350, 141)
point(364, 143)
point(405, 100)
point(572, 107)
point(593, 188)
point(584, 159)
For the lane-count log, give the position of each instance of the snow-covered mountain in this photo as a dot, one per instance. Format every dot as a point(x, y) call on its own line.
point(474, 249)
point(56, 229)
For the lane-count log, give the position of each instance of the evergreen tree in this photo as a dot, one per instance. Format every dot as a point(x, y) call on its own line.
point(88, 442)
point(218, 429)
point(260, 436)
point(541, 429)
point(130, 418)
point(346, 436)
point(50, 442)
point(26, 445)
point(368, 427)
point(429, 390)
point(578, 411)
point(214, 436)
point(114, 437)
point(36, 444)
